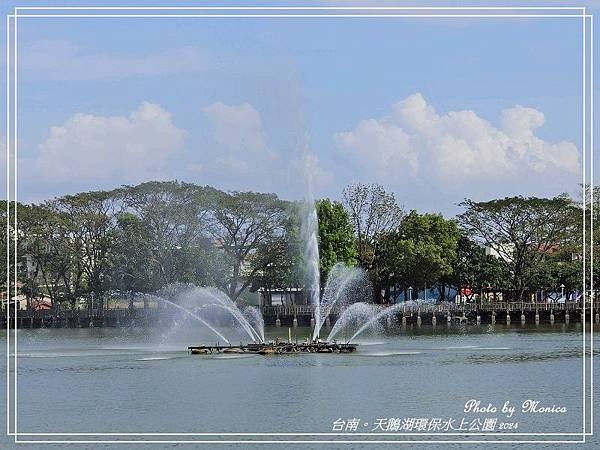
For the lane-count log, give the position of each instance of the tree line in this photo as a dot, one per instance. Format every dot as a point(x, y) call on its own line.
point(139, 239)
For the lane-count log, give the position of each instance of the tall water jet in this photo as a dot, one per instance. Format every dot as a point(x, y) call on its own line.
point(344, 285)
point(310, 237)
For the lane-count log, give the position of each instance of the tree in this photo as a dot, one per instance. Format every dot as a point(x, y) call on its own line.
point(132, 271)
point(474, 272)
point(522, 231)
point(240, 224)
point(556, 274)
point(336, 237)
point(280, 262)
point(389, 270)
point(372, 211)
point(53, 254)
point(26, 270)
point(417, 255)
point(175, 218)
point(89, 219)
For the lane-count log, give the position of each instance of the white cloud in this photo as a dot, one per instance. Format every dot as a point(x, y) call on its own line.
point(237, 127)
point(381, 145)
point(64, 60)
point(414, 139)
point(116, 148)
point(519, 124)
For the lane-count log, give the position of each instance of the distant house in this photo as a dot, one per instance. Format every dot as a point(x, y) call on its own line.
point(548, 249)
point(37, 304)
point(501, 251)
point(505, 251)
point(280, 297)
point(41, 304)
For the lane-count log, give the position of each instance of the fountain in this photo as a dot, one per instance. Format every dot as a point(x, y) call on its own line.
point(201, 304)
point(190, 314)
point(344, 289)
point(204, 304)
point(356, 314)
point(342, 294)
point(310, 236)
point(386, 312)
point(256, 319)
point(345, 285)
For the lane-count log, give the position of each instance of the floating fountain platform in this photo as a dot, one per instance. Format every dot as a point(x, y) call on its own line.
point(275, 348)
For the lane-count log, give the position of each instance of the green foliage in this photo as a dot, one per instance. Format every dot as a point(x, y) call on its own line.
point(249, 228)
point(523, 232)
point(133, 270)
point(141, 238)
point(476, 271)
point(173, 218)
point(417, 255)
point(138, 239)
point(336, 237)
point(51, 240)
point(557, 270)
point(280, 262)
point(89, 232)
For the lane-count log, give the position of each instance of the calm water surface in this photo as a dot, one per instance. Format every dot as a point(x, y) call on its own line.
point(137, 380)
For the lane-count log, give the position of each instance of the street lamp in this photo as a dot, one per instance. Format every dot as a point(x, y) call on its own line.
point(562, 292)
point(410, 293)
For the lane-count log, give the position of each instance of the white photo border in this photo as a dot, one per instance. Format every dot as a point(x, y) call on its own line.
point(393, 12)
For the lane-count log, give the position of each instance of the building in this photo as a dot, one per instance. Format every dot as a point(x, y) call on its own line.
point(501, 251)
point(280, 297)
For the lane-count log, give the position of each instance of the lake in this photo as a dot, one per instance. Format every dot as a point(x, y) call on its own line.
point(135, 380)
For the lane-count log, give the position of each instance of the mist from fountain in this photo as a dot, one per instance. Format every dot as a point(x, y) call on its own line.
point(192, 315)
point(203, 305)
point(344, 285)
point(255, 318)
point(384, 313)
point(222, 300)
point(354, 315)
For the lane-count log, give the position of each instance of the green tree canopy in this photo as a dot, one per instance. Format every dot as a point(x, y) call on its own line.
point(522, 231)
point(241, 223)
point(416, 255)
point(475, 271)
point(336, 237)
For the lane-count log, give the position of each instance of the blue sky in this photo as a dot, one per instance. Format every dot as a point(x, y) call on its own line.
point(434, 109)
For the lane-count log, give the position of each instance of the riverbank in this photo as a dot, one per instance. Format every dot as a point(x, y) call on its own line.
point(411, 313)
